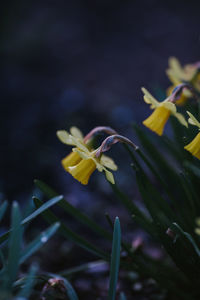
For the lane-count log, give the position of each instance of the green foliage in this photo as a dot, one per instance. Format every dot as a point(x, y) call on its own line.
point(13, 255)
point(115, 260)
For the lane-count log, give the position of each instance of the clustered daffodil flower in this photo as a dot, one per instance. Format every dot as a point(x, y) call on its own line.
point(194, 146)
point(162, 111)
point(178, 74)
point(82, 161)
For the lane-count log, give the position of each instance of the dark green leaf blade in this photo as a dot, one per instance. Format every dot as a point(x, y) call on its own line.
point(69, 234)
point(73, 211)
point(115, 260)
point(39, 242)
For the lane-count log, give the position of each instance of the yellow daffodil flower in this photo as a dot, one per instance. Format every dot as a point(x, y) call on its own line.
point(71, 139)
point(178, 74)
point(82, 162)
point(162, 111)
point(194, 146)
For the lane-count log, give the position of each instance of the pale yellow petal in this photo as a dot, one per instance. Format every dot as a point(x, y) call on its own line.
point(192, 120)
point(175, 65)
point(181, 119)
point(82, 154)
point(170, 106)
point(108, 162)
point(79, 144)
point(65, 137)
point(149, 99)
point(172, 77)
point(76, 133)
point(109, 177)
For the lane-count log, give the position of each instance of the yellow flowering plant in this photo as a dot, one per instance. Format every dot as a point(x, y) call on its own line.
point(166, 184)
point(194, 146)
point(162, 111)
point(82, 161)
point(186, 74)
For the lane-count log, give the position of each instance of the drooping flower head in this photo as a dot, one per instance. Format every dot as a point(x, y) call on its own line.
point(186, 74)
point(162, 111)
point(194, 146)
point(82, 161)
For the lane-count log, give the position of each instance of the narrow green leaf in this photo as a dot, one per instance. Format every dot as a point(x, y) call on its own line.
point(133, 209)
point(14, 246)
point(69, 234)
point(82, 268)
point(187, 236)
point(70, 290)
point(29, 283)
point(44, 207)
point(115, 260)
point(73, 211)
point(38, 242)
point(36, 213)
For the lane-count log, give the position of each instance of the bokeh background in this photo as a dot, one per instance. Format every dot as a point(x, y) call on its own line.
point(82, 63)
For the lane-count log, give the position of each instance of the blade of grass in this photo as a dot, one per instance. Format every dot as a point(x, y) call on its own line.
point(38, 242)
point(69, 234)
point(14, 247)
point(73, 211)
point(115, 260)
point(70, 290)
point(29, 283)
point(133, 209)
point(36, 213)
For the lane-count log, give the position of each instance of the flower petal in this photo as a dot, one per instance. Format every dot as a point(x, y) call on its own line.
point(109, 176)
point(181, 119)
point(79, 144)
point(82, 154)
point(76, 132)
point(149, 99)
point(192, 120)
point(170, 106)
point(108, 162)
point(65, 137)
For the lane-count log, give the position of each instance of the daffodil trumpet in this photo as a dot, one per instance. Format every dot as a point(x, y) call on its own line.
point(82, 161)
point(162, 111)
point(194, 146)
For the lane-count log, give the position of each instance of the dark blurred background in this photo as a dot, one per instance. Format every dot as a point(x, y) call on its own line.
point(81, 63)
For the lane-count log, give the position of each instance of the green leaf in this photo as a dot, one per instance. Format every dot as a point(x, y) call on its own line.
point(133, 209)
point(115, 260)
point(29, 282)
point(69, 234)
point(82, 268)
point(36, 213)
point(44, 207)
point(187, 237)
point(70, 290)
point(73, 211)
point(39, 242)
point(14, 247)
